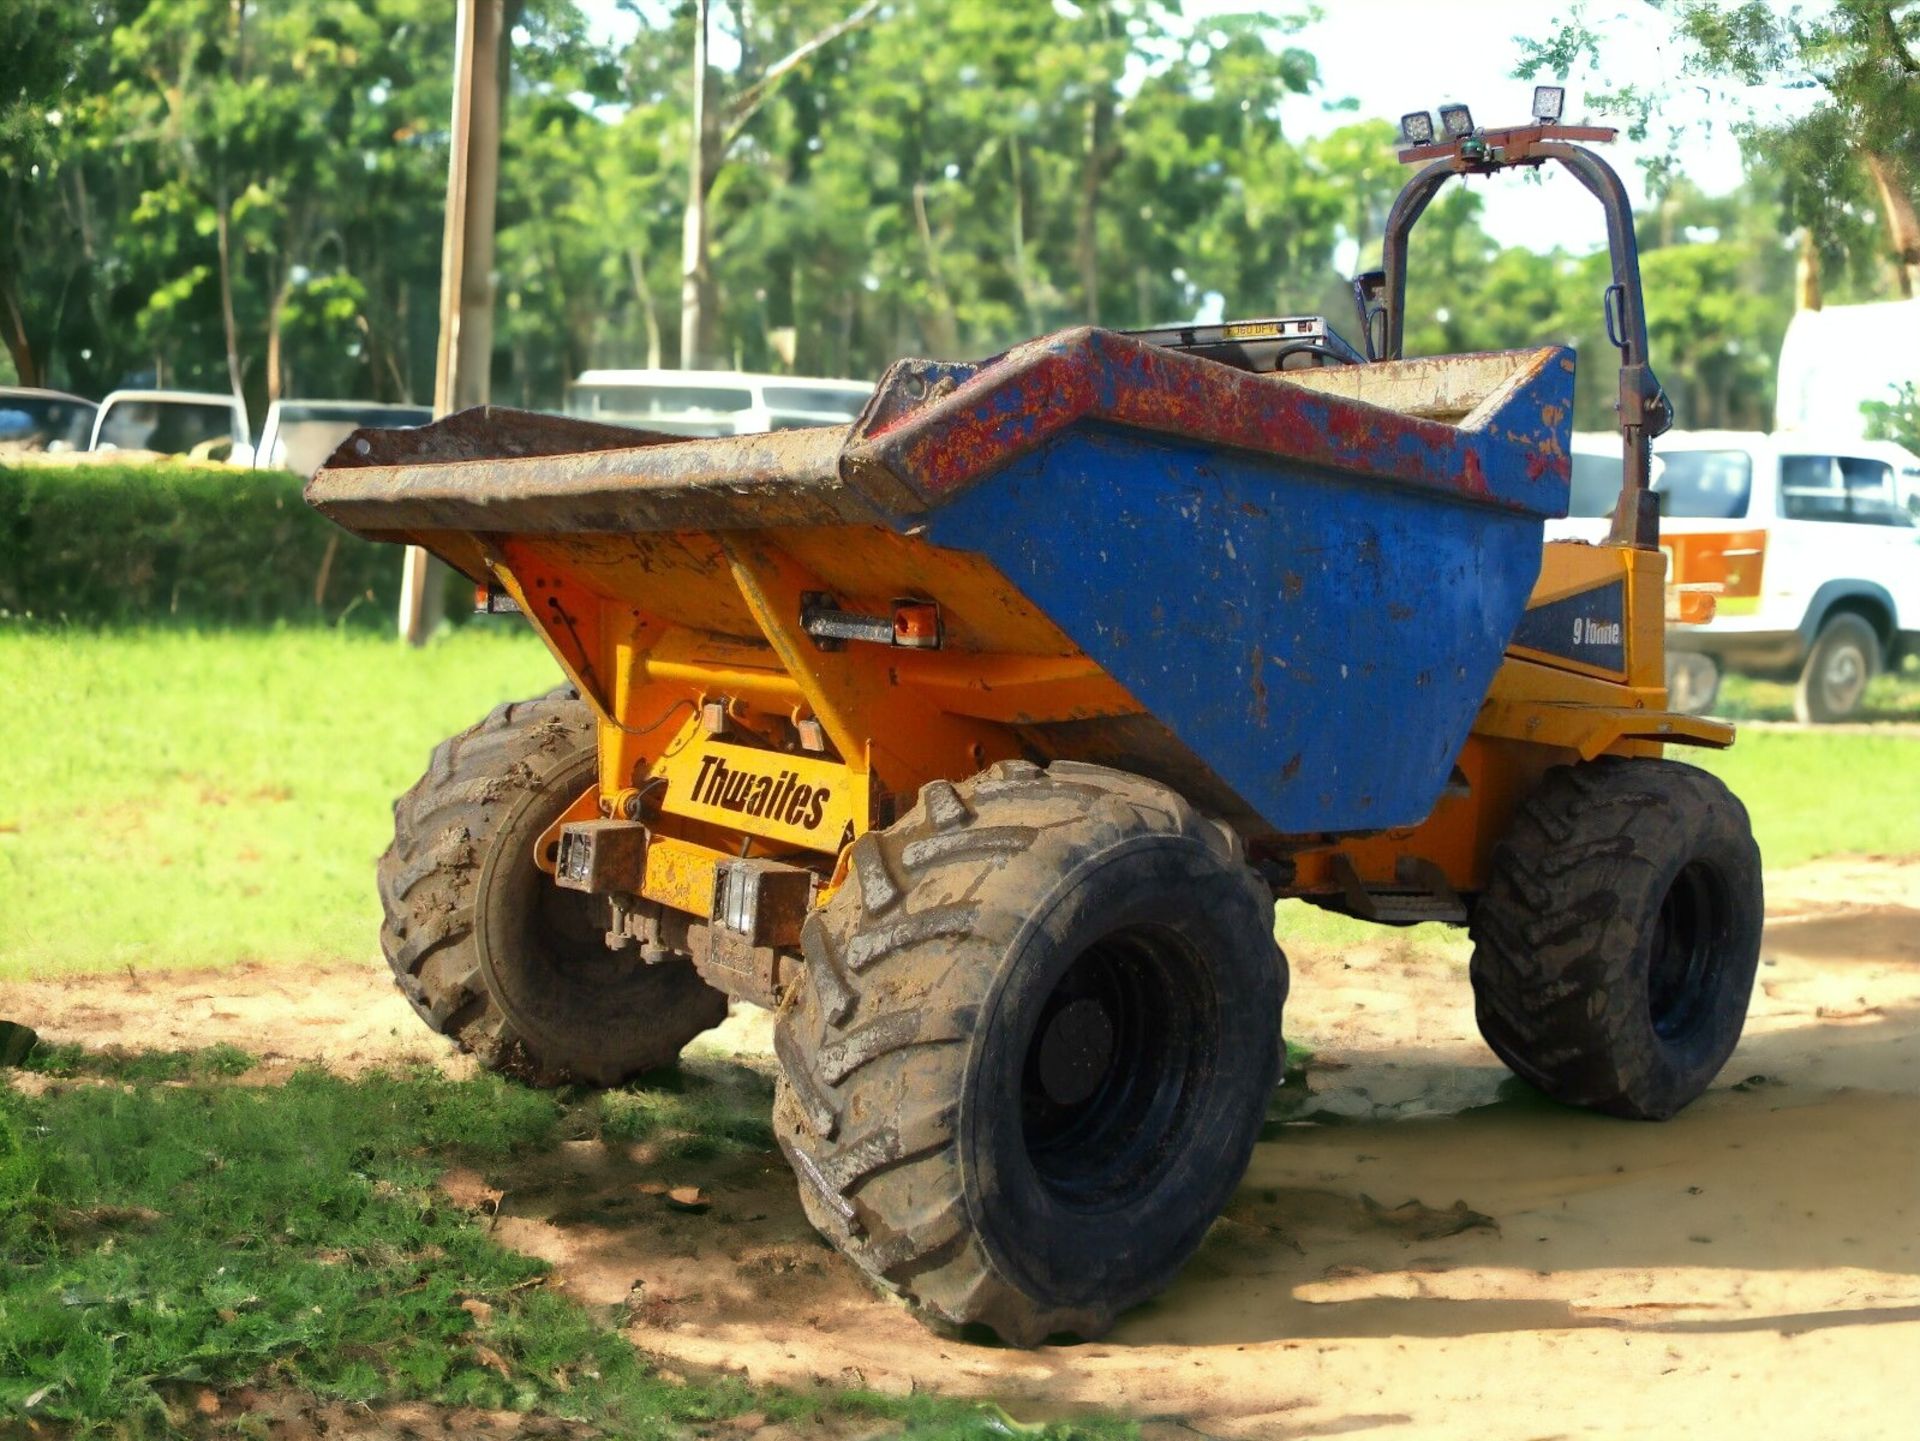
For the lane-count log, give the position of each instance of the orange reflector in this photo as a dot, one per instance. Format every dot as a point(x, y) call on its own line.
point(916, 624)
point(1692, 604)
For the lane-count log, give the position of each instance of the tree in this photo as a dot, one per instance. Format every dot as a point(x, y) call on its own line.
point(56, 52)
point(1897, 419)
point(1858, 143)
point(718, 124)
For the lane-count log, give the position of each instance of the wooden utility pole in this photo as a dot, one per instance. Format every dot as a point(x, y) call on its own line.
point(696, 279)
point(463, 365)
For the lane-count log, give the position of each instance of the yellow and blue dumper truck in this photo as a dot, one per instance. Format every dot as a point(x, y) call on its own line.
point(977, 737)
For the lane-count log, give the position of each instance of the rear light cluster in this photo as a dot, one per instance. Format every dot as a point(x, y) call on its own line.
point(1731, 561)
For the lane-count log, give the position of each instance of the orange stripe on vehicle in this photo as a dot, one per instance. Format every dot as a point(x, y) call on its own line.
point(1732, 560)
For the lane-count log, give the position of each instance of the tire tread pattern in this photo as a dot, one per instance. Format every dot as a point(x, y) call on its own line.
point(428, 879)
point(898, 966)
point(1575, 885)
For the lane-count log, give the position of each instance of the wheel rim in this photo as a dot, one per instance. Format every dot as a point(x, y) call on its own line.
point(1115, 1066)
point(1844, 677)
point(1688, 947)
point(543, 947)
point(1693, 683)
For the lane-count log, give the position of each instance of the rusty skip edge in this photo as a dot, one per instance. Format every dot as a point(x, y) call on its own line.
point(929, 431)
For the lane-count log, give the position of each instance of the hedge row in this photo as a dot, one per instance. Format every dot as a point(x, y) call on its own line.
point(138, 543)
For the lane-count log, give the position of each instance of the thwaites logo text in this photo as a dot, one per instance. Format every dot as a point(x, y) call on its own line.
point(782, 797)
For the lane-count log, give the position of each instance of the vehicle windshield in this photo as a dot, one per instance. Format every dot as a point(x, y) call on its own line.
point(1703, 484)
point(1596, 484)
point(171, 427)
point(44, 422)
point(307, 434)
point(829, 402)
point(659, 406)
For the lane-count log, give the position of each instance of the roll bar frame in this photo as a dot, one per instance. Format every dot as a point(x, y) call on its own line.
point(1642, 407)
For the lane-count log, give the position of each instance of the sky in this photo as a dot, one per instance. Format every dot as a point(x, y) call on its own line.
point(1392, 56)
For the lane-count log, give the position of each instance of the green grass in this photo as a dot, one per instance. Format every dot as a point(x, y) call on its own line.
point(1813, 793)
point(1893, 697)
point(156, 1238)
point(1809, 793)
point(692, 1116)
point(177, 798)
point(180, 798)
point(68, 1060)
point(1299, 923)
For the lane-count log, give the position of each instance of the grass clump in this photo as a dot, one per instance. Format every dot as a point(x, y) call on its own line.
point(692, 1117)
point(158, 1237)
point(68, 1060)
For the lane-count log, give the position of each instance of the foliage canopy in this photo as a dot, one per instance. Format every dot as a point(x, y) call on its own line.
point(187, 180)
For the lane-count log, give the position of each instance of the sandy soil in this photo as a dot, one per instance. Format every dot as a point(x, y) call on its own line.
point(1421, 1247)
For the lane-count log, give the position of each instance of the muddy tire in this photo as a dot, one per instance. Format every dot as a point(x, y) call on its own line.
point(1616, 943)
point(488, 950)
point(1834, 680)
point(1032, 1048)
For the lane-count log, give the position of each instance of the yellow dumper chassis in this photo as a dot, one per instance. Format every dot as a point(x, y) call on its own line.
point(977, 737)
point(723, 773)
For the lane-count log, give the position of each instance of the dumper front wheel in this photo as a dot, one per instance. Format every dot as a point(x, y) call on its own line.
point(1616, 944)
point(488, 950)
point(1033, 1047)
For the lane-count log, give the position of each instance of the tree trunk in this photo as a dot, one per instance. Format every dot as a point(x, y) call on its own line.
point(649, 311)
point(696, 277)
point(26, 364)
point(276, 351)
point(223, 216)
point(1806, 274)
point(943, 327)
point(1903, 226)
point(1087, 239)
point(473, 370)
point(1022, 274)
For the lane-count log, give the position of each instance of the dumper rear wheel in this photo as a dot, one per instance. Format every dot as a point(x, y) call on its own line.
point(1616, 944)
point(488, 950)
point(1033, 1047)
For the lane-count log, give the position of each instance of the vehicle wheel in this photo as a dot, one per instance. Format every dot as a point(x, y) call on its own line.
point(490, 952)
point(1033, 1048)
point(1844, 659)
point(1693, 682)
point(1616, 943)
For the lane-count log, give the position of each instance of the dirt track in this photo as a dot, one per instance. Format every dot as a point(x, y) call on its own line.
point(1421, 1247)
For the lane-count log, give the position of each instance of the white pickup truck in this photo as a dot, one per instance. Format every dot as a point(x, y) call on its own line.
point(1811, 540)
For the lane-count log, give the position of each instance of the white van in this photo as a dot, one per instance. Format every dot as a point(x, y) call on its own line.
point(713, 402)
point(201, 424)
point(1811, 539)
point(299, 435)
point(1879, 343)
